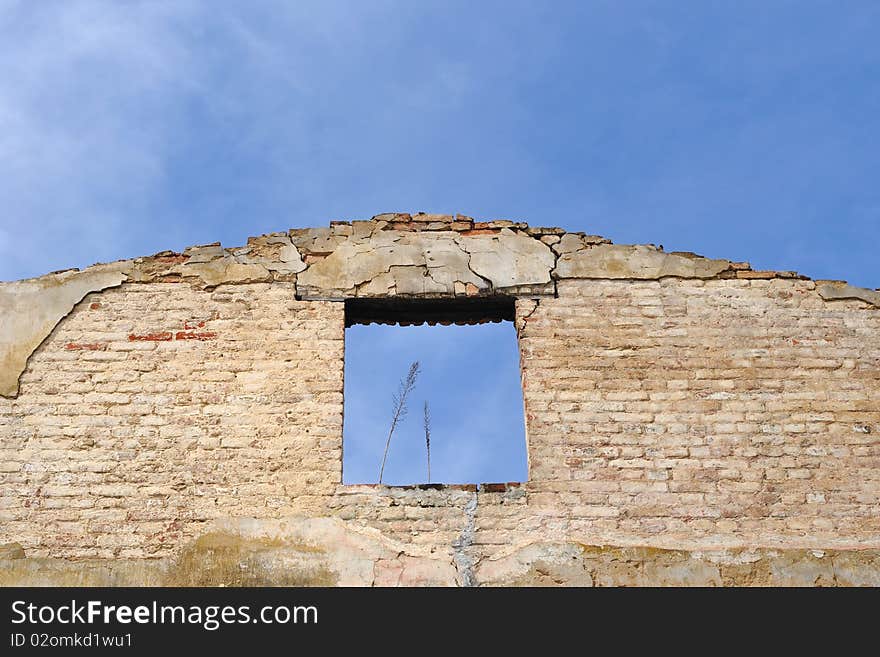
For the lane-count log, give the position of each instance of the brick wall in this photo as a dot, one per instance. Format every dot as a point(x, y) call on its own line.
point(152, 409)
point(677, 413)
point(690, 413)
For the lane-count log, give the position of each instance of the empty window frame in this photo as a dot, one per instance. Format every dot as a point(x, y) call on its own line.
point(468, 376)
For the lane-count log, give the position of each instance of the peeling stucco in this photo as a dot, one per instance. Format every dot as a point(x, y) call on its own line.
point(427, 263)
point(393, 254)
point(570, 563)
point(224, 269)
point(294, 551)
point(509, 259)
point(30, 309)
point(331, 552)
point(638, 262)
point(833, 290)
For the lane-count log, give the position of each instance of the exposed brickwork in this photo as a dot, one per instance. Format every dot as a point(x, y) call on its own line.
point(689, 413)
point(128, 450)
point(671, 401)
point(90, 346)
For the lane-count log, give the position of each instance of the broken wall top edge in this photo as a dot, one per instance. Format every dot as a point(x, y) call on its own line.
point(283, 255)
point(390, 256)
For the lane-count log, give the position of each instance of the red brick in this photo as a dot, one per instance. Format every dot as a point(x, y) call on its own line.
point(85, 346)
point(193, 335)
point(161, 336)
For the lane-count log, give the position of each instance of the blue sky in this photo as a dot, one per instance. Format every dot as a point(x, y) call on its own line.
point(745, 130)
point(469, 375)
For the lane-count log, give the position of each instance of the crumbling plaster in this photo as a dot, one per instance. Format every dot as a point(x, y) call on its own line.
point(689, 420)
point(30, 309)
point(333, 552)
point(392, 254)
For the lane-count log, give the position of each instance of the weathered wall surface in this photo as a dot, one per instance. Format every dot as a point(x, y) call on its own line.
point(689, 421)
point(698, 413)
point(152, 409)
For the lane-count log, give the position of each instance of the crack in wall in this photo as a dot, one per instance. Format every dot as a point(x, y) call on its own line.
point(520, 320)
point(471, 269)
point(464, 562)
point(367, 269)
point(31, 310)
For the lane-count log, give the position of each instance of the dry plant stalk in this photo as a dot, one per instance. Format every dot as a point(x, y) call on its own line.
point(428, 438)
point(399, 407)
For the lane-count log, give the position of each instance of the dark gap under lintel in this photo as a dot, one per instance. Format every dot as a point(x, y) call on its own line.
point(414, 312)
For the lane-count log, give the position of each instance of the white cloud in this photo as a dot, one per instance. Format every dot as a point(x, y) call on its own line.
point(99, 102)
point(86, 93)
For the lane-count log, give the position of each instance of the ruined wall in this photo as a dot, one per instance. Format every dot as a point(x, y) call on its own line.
point(700, 413)
point(154, 408)
point(177, 419)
